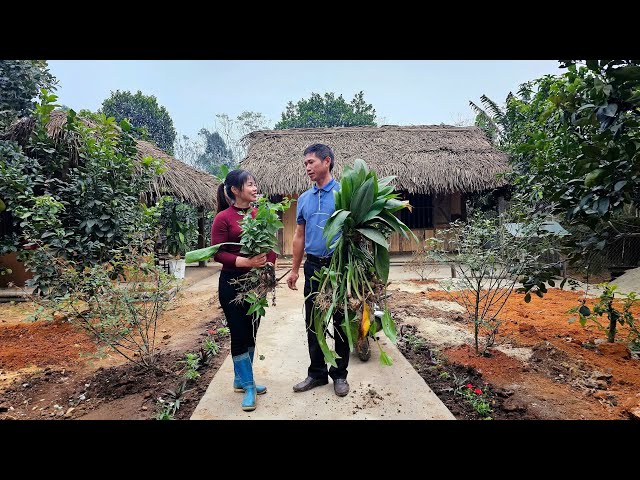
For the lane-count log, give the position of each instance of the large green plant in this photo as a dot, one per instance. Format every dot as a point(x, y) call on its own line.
point(99, 196)
point(179, 224)
point(356, 278)
point(577, 145)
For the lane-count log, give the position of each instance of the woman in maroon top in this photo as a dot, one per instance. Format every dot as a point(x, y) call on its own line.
point(241, 189)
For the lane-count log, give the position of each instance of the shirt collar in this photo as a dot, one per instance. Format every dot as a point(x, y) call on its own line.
point(332, 183)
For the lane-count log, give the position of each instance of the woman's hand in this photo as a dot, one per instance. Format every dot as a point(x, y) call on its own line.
point(257, 261)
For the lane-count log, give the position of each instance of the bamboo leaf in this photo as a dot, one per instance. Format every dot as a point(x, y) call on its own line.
point(374, 235)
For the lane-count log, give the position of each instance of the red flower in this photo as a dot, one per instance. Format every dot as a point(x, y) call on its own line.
point(477, 391)
point(468, 385)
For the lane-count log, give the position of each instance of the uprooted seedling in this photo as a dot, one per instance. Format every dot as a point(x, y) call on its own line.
point(260, 235)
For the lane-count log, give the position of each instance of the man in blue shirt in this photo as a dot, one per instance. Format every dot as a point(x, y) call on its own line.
point(314, 208)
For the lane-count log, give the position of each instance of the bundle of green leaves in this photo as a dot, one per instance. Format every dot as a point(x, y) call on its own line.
point(259, 235)
point(356, 278)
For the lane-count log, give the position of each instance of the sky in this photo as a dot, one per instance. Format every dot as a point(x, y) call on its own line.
point(403, 92)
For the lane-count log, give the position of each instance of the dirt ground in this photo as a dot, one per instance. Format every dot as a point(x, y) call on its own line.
point(542, 367)
point(50, 371)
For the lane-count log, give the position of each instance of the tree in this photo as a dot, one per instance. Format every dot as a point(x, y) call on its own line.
point(144, 112)
point(187, 149)
point(234, 130)
point(20, 84)
point(490, 255)
point(215, 153)
point(328, 111)
point(491, 119)
point(82, 213)
point(580, 147)
point(229, 148)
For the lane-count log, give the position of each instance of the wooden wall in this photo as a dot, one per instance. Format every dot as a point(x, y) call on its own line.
point(289, 221)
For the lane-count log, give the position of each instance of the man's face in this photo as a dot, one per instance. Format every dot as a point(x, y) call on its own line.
point(315, 166)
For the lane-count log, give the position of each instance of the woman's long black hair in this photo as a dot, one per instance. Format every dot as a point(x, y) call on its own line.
point(235, 178)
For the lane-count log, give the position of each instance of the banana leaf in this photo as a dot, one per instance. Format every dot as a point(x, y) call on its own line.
point(203, 254)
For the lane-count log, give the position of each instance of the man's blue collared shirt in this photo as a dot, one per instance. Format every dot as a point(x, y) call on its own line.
point(313, 209)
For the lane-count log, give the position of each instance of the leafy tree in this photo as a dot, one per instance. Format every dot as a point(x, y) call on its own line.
point(188, 150)
point(81, 213)
point(20, 83)
point(328, 111)
point(579, 148)
point(491, 119)
point(234, 130)
point(143, 111)
point(215, 152)
point(490, 255)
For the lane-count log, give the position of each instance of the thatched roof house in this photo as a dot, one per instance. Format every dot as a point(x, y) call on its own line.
point(426, 159)
point(179, 180)
point(435, 166)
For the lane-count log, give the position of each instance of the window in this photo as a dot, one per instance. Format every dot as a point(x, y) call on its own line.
point(422, 214)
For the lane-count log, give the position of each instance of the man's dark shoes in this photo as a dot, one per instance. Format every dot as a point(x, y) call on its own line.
point(309, 383)
point(341, 387)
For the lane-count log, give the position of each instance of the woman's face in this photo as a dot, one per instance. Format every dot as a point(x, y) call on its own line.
point(249, 192)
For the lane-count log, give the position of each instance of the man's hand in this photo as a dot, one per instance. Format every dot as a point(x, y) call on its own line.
point(293, 278)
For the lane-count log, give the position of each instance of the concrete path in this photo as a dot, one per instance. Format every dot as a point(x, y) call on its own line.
point(377, 391)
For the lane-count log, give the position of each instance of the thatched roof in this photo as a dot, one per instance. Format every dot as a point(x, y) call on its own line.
point(179, 180)
point(425, 158)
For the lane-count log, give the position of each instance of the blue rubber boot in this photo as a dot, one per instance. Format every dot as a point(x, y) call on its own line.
point(237, 387)
point(242, 366)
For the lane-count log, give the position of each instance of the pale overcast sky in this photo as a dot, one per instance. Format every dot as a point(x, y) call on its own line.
point(403, 92)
